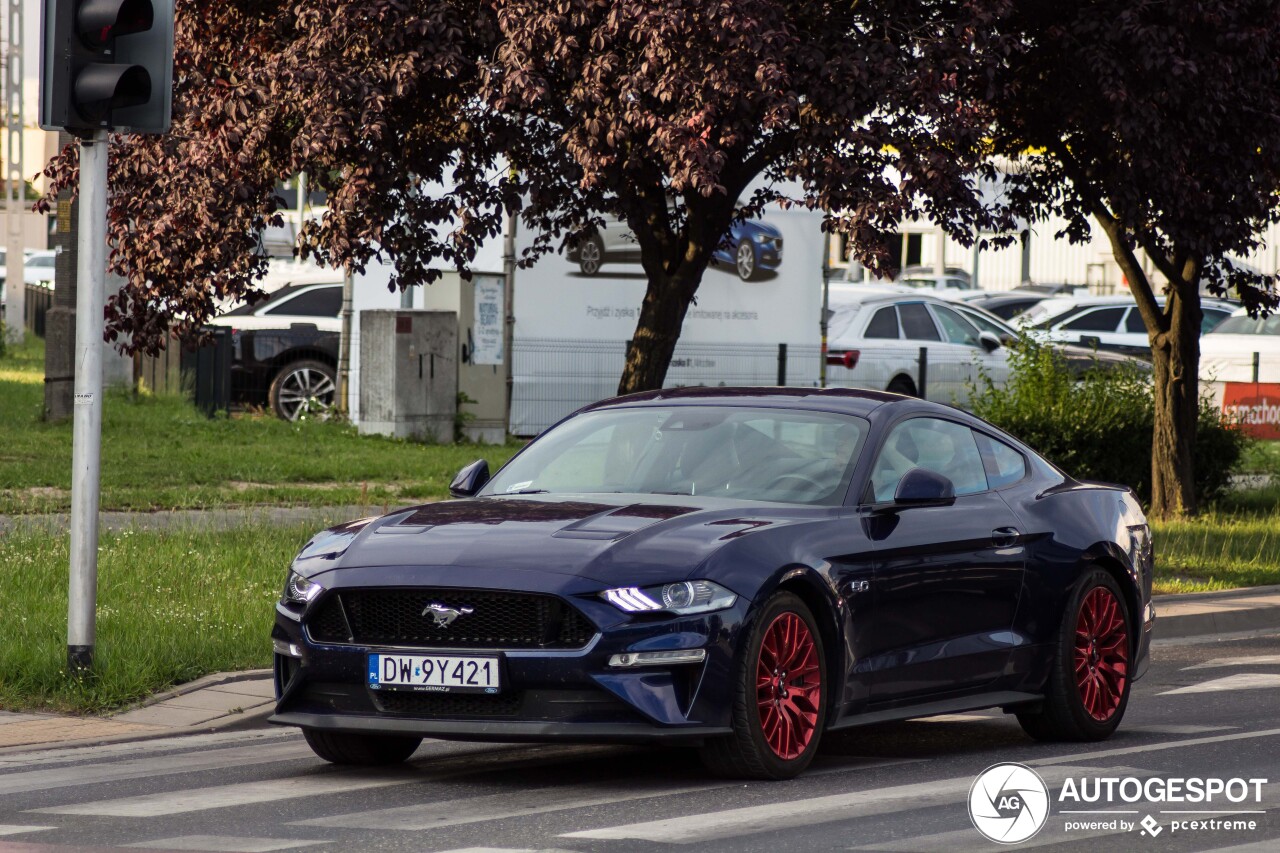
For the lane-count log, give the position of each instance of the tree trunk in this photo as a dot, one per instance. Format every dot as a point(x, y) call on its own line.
point(1176, 364)
point(666, 301)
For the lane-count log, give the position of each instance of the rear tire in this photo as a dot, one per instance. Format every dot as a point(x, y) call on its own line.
point(902, 385)
point(358, 749)
point(306, 387)
point(1089, 684)
point(779, 700)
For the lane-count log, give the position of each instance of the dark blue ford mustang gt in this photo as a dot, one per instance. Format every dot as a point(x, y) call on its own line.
point(734, 569)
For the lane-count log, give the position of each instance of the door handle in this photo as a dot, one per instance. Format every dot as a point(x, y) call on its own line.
point(1003, 537)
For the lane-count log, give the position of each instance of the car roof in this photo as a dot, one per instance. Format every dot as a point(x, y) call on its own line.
point(278, 295)
point(852, 401)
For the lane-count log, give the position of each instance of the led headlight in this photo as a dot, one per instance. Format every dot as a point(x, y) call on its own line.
point(683, 598)
point(762, 238)
point(299, 590)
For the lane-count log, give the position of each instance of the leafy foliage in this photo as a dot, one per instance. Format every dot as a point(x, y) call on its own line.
point(1097, 426)
point(1161, 123)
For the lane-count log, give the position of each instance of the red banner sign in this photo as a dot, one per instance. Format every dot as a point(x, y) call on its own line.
point(1254, 406)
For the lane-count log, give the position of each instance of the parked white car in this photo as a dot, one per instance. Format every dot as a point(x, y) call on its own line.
point(38, 268)
point(875, 339)
point(1227, 353)
point(951, 280)
point(1105, 322)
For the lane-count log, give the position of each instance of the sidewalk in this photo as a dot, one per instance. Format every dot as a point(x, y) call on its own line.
point(238, 700)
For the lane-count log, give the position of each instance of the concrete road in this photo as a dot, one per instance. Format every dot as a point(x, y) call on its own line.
point(1207, 709)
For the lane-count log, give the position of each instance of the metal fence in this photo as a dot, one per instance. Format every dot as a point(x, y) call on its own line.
point(553, 377)
point(39, 300)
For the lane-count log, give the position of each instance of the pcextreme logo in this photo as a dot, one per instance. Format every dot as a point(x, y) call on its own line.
point(1008, 803)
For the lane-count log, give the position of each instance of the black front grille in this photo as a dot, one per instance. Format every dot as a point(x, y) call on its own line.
point(498, 620)
point(448, 704)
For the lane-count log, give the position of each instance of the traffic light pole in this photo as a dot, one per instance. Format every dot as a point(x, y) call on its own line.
point(87, 411)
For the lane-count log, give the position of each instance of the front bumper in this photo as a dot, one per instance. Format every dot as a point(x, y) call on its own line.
point(547, 695)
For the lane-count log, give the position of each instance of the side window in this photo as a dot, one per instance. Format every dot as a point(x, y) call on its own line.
point(917, 325)
point(1100, 320)
point(940, 446)
point(1133, 323)
point(957, 329)
point(1004, 464)
point(1210, 320)
point(884, 324)
point(317, 302)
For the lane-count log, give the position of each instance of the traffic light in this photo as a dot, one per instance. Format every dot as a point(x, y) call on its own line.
point(106, 65)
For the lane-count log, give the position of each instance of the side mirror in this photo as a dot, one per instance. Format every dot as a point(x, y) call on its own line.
point(470, 479)
point(921, 487)
point(990, 341)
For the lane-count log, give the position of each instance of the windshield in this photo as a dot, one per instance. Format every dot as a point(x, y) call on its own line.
point(1243, 324)
point(777, 455)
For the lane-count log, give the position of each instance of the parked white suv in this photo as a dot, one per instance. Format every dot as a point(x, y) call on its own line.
point(1227, 353)
point(875, 339)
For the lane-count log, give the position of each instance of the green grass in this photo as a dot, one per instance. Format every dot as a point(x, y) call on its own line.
point(159, 452)
point(171, 607)
point(1217, 551)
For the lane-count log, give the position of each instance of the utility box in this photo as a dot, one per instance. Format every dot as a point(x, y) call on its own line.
point(409, 374)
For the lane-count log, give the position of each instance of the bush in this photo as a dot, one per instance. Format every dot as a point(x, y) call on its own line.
point(1097, 425)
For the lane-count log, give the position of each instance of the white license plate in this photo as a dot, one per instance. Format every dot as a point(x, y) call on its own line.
point(434, 673)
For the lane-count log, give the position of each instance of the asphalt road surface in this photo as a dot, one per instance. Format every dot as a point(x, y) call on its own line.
point(1207, 709)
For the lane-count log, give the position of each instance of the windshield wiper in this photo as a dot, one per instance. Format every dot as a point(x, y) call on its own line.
point(528, 492)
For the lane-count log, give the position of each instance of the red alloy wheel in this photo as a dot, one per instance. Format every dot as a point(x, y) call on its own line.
point(788, 686)
point(1101, 653)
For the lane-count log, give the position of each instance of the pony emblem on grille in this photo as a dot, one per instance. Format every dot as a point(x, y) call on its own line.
point(444, 614)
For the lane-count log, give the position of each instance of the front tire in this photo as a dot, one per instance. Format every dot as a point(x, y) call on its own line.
point(304, 387)
point(361, 750)
point(1090, 682)
point(591, 255)
point(779, 701)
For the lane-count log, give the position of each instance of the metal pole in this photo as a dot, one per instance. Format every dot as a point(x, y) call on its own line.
point(1257, 366)
point(923, 370)
point(782, 364)
point(344, 346)
point(16, 296)
point(508, 302)
point(87, 415)
point(822, 321)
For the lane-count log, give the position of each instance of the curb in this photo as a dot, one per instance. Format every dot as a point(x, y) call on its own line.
point(214, 680)
point(1208, 614)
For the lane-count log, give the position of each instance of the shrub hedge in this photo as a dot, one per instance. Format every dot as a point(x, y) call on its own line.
point(1098, 425)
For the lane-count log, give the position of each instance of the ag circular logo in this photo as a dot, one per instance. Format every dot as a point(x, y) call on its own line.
point(1008, 803)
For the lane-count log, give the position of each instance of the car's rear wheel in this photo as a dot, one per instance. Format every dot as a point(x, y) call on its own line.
point(591, 255)
point(902, 385)
point(1089, 684)
point(306, 387)
point(366, 750)
point(779, 702)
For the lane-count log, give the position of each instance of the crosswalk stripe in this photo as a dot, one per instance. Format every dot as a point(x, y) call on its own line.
point(518, 803)
point(27, 757)
point(750, 820)
point(1265, 846)
point(187, 762)
point(1101, 754)
point(243, 794)
point(1243, 681)
point(1257, 660)
point(226, 844)
point(1175, 729)
point(524, 802)
point(18, 829)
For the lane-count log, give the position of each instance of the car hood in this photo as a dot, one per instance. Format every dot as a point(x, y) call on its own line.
point(608, 538)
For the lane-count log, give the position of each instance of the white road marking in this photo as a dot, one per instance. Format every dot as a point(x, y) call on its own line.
point(521, 802)
point(35, 757)
point(18, 829)
point(1261, 660)
point(518, 802)
point(1174, 729)
point(1265, 846)
point(712, 826)
point(143, 768)
point(225, 844)
point(1151, 747)
point(243, 794)
point(1243, 681)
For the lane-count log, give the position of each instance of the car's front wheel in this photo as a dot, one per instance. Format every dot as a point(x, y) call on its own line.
point(779, 701)
point(591, 255)
point(1089, 683)
point(306, 387)
point(366, 750)
point(745, 260)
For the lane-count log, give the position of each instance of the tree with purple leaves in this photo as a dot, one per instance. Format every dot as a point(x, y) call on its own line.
point(1161, 123)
